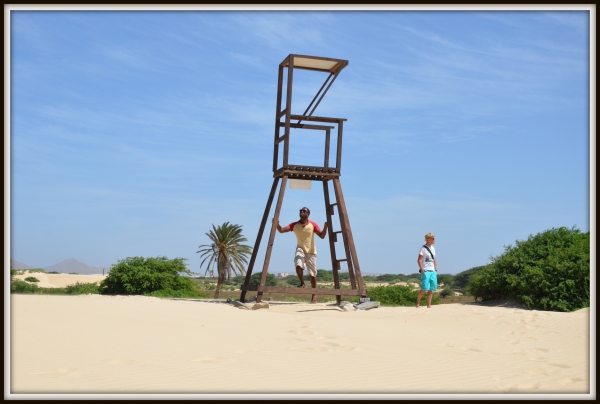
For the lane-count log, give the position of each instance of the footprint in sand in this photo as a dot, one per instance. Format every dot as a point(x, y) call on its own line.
point(538, 371)
point(541, 349)
point(497, 378)
point(571, 380)
point(124, 362)
point(559, 365)
point(245, 351)
point(58, 372)
point(474, 350)
point(212, 359)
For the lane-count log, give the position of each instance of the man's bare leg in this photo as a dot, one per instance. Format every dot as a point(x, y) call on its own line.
point(300, 273)
point(418, 303)
point(429, 296)
point(313, 284)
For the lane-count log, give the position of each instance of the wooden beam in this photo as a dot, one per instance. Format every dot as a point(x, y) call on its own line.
point(317, 118)
point(288, 107)
point(307, 126)
point(279, 89)
point(327, 138)
point(332, 240)
point(347, 232)
point(259, 237)
point(272, 235)
point(304, 291)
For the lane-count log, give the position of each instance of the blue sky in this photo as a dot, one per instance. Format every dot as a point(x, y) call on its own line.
point(132, 132)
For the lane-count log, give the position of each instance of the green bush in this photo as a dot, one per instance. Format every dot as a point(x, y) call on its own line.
point(14, 272)
point(238, 280)
point(446, 292)
point(54, 272)
point(397, 296)
point(19, 286)
point(139, 276)
point(34, 270)
point(179, 293)
point(82, 289)
point(548, 271)
point(324, 275)
point(31, 279)
point(446, 279)
point(293, 281)
point(461, 280)
point(271, 280)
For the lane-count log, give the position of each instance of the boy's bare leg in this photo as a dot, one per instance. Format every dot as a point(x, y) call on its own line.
point(313, 284)
point(429, 296)
point(418, 303)
point(300, 273)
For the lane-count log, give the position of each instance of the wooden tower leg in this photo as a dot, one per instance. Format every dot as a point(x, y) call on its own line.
point(334, 262)
point(272, 237)
point(258, 238)
point(347, 233)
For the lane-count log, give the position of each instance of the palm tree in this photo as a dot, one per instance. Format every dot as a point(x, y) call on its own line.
point(225, 252)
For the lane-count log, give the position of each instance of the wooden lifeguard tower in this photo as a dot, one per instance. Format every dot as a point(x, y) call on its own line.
point(324, 173)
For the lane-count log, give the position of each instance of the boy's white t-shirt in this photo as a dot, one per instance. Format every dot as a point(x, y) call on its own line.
point(427, 259)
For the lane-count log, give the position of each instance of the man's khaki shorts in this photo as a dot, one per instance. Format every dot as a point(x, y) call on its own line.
point(302, 259)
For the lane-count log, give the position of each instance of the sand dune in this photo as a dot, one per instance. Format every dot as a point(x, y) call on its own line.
point(60, 280)
point(134, 344)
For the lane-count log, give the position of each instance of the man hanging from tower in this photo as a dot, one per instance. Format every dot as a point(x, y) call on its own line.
point(306, 251)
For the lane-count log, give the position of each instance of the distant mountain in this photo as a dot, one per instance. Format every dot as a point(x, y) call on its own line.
point(14, 264)
point(72, 265)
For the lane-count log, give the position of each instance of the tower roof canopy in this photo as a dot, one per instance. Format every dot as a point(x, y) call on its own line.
point(316, 63)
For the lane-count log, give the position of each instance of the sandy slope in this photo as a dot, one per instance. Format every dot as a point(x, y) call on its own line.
point(60, 280)
point(134, 344)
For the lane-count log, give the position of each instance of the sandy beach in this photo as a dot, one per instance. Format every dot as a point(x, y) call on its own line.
point(59, 280)
point(132, 344)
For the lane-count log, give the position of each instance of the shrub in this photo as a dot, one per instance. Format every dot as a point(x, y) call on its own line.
point(271, 280)
point(34, 270)
point(179, 293)
point(19, 286)
point(54, 272)
point(293, 281)
point(139, 275)
point(446, 279)
point(324, 275)
point(82, 289)
point(461, 280)
point(31, 279)
point(548, 271)
point(397, 295)
point(238, 280)
point(446, 292)
point(14, 272)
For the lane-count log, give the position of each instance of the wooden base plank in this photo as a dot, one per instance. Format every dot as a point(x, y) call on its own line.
point(304, 291)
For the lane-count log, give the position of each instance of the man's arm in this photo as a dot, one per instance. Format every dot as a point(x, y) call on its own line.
point(323, 232)
point(420, 264)
point(282, 229)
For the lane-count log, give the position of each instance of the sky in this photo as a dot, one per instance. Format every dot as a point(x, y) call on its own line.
point(133, 132)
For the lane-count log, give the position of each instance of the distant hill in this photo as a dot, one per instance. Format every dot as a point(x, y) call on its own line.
point(72, 265)
point(14, 264)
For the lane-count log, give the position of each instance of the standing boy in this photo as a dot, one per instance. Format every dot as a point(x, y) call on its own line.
point(428, 269)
